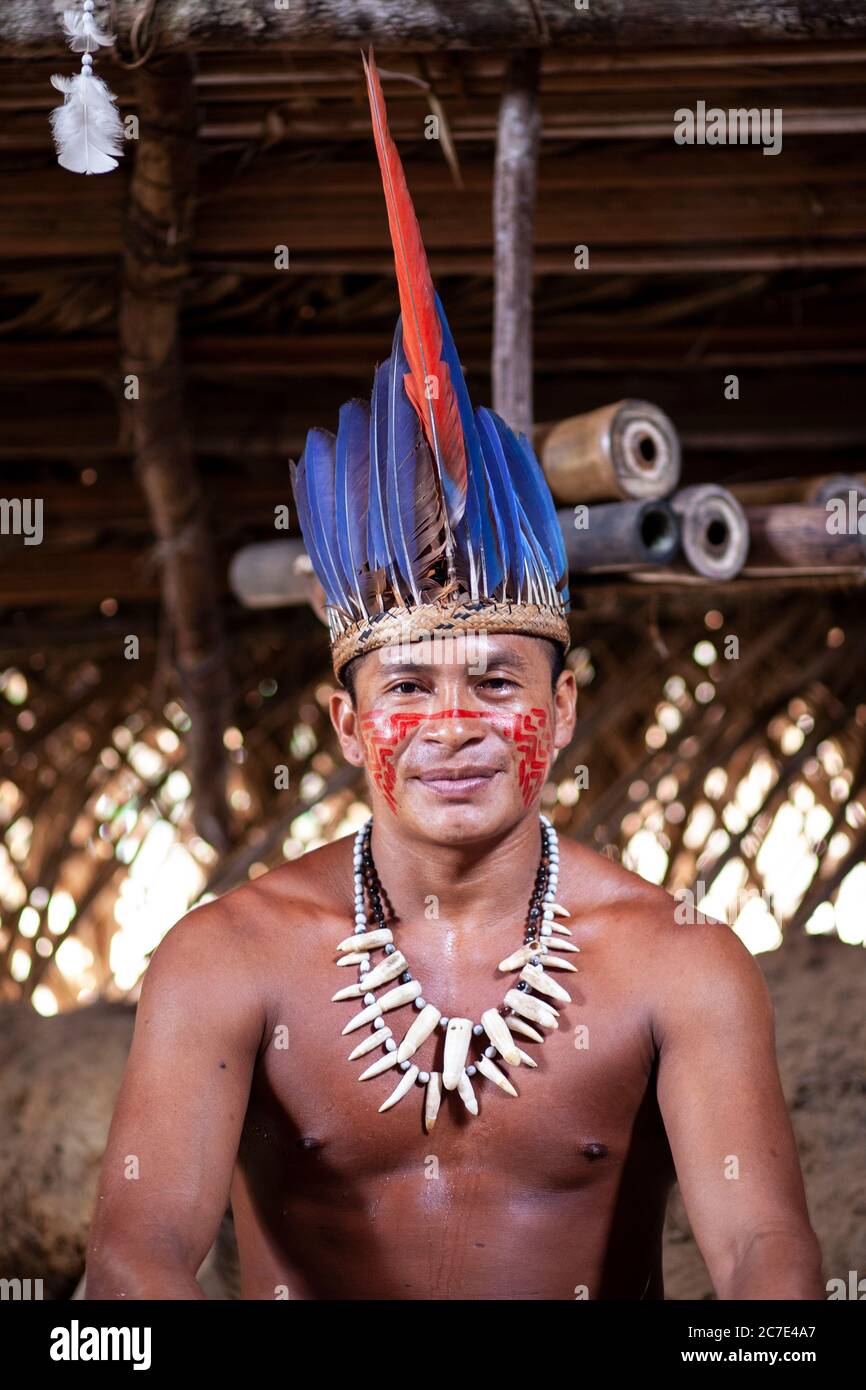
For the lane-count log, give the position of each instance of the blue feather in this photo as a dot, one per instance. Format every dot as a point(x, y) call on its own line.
point(317, 512)
point(405, 453)
point(351, 489)
point(476, 536)
point(552, 537)
point(378, 556)
point(533, 493)
point(505, 500)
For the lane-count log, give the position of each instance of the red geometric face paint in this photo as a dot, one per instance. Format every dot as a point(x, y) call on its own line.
point(381, 733)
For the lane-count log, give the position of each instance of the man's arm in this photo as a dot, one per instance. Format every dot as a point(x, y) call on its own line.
point(724, 1111)
point(177, 1122)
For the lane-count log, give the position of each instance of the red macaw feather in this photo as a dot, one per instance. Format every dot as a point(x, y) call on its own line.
point(437, 407)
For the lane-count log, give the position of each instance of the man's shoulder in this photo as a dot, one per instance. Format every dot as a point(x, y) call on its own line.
point(667, 926)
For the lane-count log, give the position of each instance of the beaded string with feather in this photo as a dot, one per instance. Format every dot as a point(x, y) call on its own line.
point(87, 129)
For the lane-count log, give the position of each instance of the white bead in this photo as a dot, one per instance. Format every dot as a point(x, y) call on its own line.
point(422, 1078)
point(490, 1052)
point(471, 1070)
point(369, 998)
point(477, 1029)
point(420, 1003)
point(378, 1023)
point(390, 1044)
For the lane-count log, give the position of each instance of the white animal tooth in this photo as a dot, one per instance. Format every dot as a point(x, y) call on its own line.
point(525, 1057)
point(383, 936)
point(376, 1039)
point(554, 963)
point(563, 944)
point(354, 958)
point(492, 1072)
point(535, 1009)
point(496, 1029)
point(560, 929)
point(387, 970)
point(457, 1038)
point(539, 980)
point(519, 1025)
point(432, 1100)
point(350, 992)
point(466, 1093)
point(403, 994)
point(418, 1032)
point(405, 1084)
point(559, 909)
point(381, 1064)
point(519, 958)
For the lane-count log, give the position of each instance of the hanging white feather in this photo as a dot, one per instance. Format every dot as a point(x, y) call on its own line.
point(87, 128)
point(83, 32)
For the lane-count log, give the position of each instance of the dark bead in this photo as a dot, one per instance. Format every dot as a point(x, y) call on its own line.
point(405, 977)
point(522, 984)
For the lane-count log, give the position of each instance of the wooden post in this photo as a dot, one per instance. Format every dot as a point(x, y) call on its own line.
point(513, 216)
point(155, 269)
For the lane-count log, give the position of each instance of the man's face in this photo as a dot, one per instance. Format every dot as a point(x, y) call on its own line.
point(459, 745)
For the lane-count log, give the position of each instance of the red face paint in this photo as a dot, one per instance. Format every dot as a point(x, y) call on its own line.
point(381, 733)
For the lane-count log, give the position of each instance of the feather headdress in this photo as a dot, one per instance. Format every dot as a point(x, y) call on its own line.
point(422, 512)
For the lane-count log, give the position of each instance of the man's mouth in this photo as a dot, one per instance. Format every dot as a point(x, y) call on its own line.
point(454, 782)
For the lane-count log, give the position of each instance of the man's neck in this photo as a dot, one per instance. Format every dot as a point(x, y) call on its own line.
point(469, 887)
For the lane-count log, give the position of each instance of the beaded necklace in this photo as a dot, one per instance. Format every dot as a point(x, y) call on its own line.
point(520, 1011)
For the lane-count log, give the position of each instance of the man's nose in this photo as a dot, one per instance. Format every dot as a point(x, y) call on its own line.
point(453, 728)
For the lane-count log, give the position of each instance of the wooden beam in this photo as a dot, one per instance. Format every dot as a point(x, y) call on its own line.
point(700, 208)
point(159, 220)
point(30, 25)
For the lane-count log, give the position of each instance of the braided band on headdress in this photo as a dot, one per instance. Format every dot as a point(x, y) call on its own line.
point(423, 516)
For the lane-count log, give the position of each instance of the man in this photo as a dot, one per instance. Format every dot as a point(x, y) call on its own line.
point(541, 1049)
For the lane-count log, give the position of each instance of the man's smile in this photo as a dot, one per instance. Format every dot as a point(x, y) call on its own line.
point(452, 783)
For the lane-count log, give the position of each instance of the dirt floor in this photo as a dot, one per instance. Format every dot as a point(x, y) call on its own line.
point(818, 986)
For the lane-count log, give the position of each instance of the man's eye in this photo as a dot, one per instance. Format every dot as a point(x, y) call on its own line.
point(498, 681)
point(404, 688)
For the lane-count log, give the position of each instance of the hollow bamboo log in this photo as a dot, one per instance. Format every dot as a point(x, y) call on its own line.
point(619, 535)
point(270, 574)
point(713, 529)
point(807, 537)
point(764, 492)
point(629, 449)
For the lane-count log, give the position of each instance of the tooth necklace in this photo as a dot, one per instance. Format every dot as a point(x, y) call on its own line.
point(519, 1011)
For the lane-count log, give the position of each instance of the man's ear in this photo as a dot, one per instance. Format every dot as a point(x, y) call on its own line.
point(564, 708)
point(344, 718)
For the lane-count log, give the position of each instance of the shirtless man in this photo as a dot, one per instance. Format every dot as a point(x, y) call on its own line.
point(661, 1069)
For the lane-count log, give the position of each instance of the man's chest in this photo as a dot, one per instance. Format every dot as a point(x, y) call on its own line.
point(576, 1114)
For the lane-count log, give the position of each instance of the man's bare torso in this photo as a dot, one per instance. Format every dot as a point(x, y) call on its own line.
point(557, 1194)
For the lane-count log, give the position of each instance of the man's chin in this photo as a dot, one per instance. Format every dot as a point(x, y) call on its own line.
point(473, 816)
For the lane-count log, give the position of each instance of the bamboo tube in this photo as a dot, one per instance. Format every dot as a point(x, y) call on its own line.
point(619, 535)
point(764, 492)
point(270, 574)
point(626, 450)
point(714, 530)
point(803, 537)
